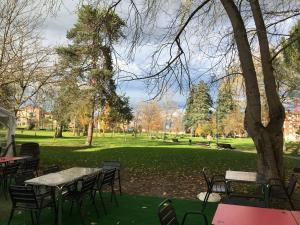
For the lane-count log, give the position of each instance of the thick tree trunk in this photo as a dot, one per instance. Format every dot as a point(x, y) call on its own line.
point(274, 150)
point(268, 140)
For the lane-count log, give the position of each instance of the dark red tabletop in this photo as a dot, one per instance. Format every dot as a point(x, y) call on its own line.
point(296, 215)
point(8, 159)
point(227, 214)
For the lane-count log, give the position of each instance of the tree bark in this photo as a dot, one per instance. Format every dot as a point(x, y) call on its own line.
point(90, 130)
point(59, 131)
point(276, 109)
point(268, 140)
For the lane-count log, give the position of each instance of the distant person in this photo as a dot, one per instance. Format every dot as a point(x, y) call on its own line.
point(209, 139)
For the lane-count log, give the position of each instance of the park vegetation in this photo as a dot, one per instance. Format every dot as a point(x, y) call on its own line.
point(244, 44)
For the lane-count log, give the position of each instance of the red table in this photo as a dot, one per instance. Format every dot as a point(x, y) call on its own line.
point(9, 158)
point(296, 215)
point(244, 215)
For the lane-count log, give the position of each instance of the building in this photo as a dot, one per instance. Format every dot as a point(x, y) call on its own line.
point(30, 116)
point(291, 126)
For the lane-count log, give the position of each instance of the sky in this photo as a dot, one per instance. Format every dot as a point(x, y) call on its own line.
point(202, 56)
point(54, 34)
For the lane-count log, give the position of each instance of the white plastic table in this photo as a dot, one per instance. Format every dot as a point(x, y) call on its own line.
point(59, 179)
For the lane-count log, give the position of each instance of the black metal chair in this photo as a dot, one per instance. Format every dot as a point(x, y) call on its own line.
point(77, 195)
point(51, 169)
point(167, 215)
point(25, 198)
point(30, 149)
point(214, 184)
point(23, 176)
point(9, 174)
point(107, 180)
point(108, 165)
point(278, 190)
point(31, 164)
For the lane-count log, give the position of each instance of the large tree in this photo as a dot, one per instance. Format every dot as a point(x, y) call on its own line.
point(227, 31)
point(89, 55)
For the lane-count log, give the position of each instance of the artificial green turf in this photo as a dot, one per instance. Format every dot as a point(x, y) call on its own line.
point(139, 210)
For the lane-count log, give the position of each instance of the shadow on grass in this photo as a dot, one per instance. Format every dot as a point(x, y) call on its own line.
point(150, 158)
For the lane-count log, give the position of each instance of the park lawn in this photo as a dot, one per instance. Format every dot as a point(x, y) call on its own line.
point(143, 153)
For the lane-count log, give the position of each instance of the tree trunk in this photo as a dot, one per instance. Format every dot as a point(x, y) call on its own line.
point(58, 131)
point(90, 130)
point(268, 140)
point(276, 111)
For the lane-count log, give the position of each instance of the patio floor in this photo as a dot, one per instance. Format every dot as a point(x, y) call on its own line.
point(140, 210)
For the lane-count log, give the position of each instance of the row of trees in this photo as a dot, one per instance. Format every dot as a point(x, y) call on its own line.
point(204, 117)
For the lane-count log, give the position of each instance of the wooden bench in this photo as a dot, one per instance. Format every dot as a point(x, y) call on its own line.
point(226, 146)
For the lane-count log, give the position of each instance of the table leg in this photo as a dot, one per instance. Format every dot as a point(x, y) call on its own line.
point(59, 206)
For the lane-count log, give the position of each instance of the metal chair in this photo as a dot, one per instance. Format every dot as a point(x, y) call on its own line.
point(25, 198)
point(278, 190)
point(214, 184)
point(107, 180)
point(9, 174)
point(23, 176)
point(30, 149)
point(108, 165)
point(51, 169)
point(77, 194)
point(167, 215)
point(31, 164)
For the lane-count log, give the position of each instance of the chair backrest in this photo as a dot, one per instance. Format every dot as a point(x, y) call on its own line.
point(166, 213)
point(31, 164)
point(292, 184)
point(108, 177)
point(30, 149)
point(206, 176)
point(10, 169)
point(51, 169)
point(23, 176)
point(88, 183)
point(23, 196)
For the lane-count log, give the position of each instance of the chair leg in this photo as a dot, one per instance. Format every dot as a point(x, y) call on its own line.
point(31, 215)
point(115, 197)
point(11, 215)
point(119, 178)
point(102, 202)
point(71, 209)
point(38, 215)
point(79, 203)
point(94, 203)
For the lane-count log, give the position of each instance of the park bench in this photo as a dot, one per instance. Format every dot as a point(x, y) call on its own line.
point(225, 146)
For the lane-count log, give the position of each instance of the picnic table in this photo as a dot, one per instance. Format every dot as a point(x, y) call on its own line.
point(227, 214)
point(59, 179)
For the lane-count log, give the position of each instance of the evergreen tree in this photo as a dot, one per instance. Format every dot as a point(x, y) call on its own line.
point(198, 106)
point(225, 103)
point(88, 57)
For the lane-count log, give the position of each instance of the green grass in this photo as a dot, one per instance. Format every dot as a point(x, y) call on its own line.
point(144, 154)
point(139, 210)
point(140, 154)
